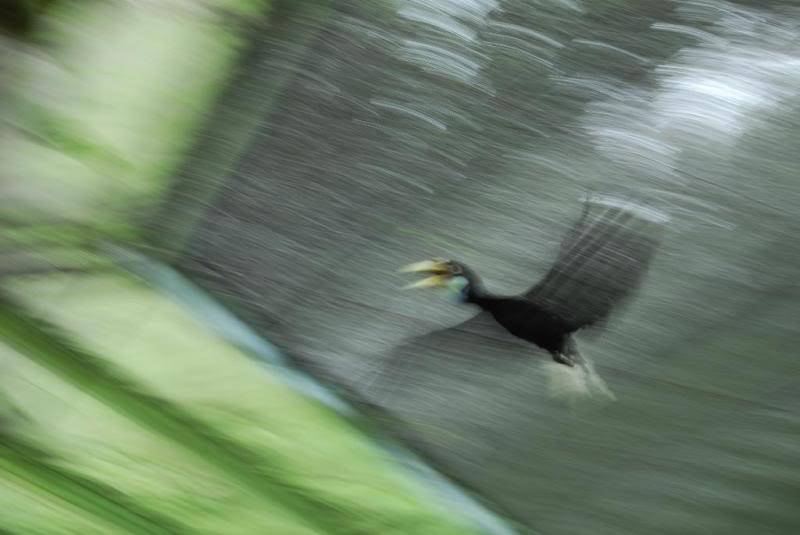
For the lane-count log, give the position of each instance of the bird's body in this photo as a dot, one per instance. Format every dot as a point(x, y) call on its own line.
point(531, 322)
point(601, 261)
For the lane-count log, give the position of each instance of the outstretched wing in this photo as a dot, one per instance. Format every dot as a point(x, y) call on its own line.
point(601, 261)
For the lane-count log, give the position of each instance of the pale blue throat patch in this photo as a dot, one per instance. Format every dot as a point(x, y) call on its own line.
point(457, 288)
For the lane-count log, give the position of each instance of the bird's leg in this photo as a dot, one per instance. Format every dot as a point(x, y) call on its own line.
point(561, 358)
point(568, 355)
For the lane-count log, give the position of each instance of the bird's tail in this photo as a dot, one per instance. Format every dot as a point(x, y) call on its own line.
point(576, 383)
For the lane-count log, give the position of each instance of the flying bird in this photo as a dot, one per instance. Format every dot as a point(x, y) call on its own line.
point(602, 260)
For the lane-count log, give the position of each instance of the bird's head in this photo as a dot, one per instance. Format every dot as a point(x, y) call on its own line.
point(459, 281)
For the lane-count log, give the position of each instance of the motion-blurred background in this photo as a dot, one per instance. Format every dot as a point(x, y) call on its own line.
point(203, 206)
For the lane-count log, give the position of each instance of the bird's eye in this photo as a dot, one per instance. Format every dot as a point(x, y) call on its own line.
point(455, 269)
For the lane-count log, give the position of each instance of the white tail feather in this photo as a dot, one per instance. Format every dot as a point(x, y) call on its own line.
point(577, 383)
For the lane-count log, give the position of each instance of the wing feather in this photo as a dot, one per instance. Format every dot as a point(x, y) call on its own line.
point(602, 260)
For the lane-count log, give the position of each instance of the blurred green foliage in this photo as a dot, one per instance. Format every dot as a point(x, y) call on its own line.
point(118, 412)
point(100, 110)
point(255, 455)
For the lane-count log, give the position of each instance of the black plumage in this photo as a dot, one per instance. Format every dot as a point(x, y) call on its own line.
point(601, 262)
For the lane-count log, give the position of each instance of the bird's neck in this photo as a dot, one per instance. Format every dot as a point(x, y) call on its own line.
point(475, 293)
point(480, 297)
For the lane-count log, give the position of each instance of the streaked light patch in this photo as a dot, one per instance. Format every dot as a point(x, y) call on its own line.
point(641, 210)
point(527, 31)
point(441, 61)
point(612, 48)
point(409, 111)
point(439, 20)
point(707, 97)
point(460, 21)
point(697, 33)
point(528, 55)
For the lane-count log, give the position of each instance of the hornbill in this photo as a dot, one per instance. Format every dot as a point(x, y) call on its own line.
point(601, 261)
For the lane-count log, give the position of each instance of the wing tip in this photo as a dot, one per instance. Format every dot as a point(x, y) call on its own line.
point(640, 209)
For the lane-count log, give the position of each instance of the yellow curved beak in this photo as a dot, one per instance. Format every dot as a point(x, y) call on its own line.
point(439, 270)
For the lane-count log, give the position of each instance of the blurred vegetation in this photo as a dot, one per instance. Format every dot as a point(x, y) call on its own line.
point(216, 424)
point(100, 108)
point(18, 17)
point(119, 413)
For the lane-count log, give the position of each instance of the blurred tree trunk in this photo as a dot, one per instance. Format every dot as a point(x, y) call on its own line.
point(246, 104)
